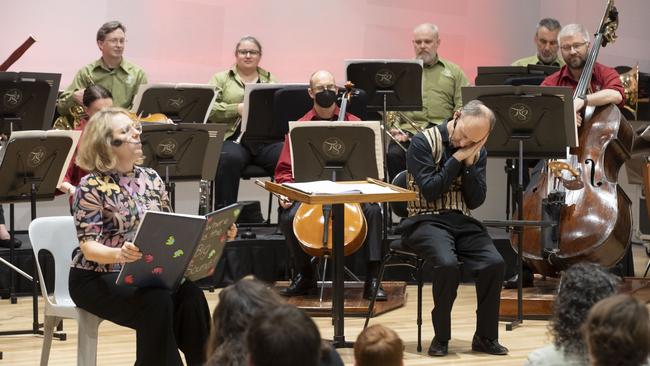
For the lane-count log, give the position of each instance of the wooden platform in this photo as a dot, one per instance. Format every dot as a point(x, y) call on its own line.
point(537, 301)
point(355, 304)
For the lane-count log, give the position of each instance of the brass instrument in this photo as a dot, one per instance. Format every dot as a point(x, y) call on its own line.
point(630, 81)
point(394, 117)
point(205, 197)
point(72, 120)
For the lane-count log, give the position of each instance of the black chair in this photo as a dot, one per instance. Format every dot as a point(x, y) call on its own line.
point(256, 171)
point(401, 256)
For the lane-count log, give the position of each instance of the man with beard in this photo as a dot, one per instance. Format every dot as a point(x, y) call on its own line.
point(605, 87)
point(111, 71)
point(446, 168)
point(323, 90)
point(547, 45)
point(441, 83)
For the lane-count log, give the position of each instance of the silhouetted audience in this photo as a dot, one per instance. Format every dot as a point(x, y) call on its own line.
point(378, 345)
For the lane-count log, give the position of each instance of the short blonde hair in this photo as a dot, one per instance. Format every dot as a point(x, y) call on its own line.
point(95, 152)
point(378, 345)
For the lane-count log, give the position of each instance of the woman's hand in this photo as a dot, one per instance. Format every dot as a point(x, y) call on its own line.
point(128, 253)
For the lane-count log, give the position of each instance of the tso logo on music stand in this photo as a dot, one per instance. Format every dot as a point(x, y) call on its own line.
point(333, 147)
point(12, 98)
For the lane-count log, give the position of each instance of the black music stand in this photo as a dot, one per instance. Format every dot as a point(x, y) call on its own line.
point(513, 75)
point(337, 151)
point(28, 100)
point(33, 164)
point(541, 119)
point(182, 103)
point(182, 152)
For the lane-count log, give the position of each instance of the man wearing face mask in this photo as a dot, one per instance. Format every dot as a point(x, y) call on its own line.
point(323, 90)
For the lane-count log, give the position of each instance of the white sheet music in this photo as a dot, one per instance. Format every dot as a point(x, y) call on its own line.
point(330, 187)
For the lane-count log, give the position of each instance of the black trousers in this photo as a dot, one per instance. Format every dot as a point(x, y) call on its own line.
point(446, 240)
point(301, 260)
point(2, 215)
point(396, 158)
point(232, 161)
point(163, 321)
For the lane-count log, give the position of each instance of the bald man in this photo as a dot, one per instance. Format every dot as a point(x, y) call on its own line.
point(323, 90)
point(446, 167)
point(441, 85)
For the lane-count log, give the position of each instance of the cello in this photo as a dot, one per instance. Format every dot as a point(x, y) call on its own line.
point(312, 224)
point(581, 194)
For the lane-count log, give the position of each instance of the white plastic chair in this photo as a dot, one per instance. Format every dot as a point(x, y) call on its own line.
point(58, 235)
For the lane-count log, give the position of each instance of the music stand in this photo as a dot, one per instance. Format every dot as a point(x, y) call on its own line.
point(182, 103)
point(32, 165)
point(542, 119)
point(513, 75)
point(339, 151)
point(28, 100)
point(182, 152)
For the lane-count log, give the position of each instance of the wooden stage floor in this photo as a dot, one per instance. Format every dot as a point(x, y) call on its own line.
point(117, 344)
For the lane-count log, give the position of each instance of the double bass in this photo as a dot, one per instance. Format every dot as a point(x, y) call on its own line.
point(581, 194)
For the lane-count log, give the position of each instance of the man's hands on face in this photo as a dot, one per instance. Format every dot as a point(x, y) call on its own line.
point(469, 154)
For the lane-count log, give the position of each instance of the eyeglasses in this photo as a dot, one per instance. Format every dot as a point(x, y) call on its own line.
point(575, 46)
point(133, 127)
point(247, 52)
point(116, 41)
point(320, 88)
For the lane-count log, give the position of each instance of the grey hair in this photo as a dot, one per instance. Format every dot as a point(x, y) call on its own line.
point(571, 29)
point(474, 108)
point(109, 27)
point(431, 26)
point(549, 23)
point(249, 39)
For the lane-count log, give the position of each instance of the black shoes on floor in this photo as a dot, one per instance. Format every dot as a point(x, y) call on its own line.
point(479, 344)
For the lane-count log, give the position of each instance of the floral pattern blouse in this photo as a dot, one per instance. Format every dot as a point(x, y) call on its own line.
point(108, 206)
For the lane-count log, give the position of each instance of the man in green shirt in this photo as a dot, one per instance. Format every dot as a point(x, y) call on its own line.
point(441, 84)
point(111, 71)
point(547, 45)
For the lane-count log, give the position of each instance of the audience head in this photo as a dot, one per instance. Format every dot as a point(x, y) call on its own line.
point(285, 336)
point(95, 98)
point(574, 44)
point(426, 42)
point(617, 332)
point(248, 53)
point(546, 39)
point(581, 286)
point(378, 345)
point(111, 142)
point(323, 90)
point(237, 306)
point(471, 124)
point(111, 39)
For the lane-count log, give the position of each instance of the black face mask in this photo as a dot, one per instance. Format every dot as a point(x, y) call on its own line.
point(326, 98)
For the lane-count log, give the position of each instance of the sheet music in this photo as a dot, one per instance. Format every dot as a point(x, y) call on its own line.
point(330, 187)
point(375, 126)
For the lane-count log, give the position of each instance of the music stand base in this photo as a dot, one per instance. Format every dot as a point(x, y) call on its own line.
point(513, 324)
point(60, 336)
point(340, 342)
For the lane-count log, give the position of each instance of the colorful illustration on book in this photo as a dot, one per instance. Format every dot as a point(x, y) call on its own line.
point(178, 253)
point(170, 240)
point(129, 279)
point(148, 258)
point(235, 213)
point(157, 270)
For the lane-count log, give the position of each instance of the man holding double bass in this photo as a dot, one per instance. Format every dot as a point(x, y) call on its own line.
point(323, 90)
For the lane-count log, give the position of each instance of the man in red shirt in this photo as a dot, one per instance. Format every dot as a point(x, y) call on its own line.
point(323, 90)
point(605, 85)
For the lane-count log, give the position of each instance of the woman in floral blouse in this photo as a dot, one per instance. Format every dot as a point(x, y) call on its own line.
point(109, 203)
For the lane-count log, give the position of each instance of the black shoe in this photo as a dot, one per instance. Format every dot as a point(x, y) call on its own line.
point(511, 283)
point(301, 285)
point(7, 243)
point(491, 346)
point(369, 286)
point(438, 348)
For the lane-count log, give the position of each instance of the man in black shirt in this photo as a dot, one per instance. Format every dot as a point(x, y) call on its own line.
point(446, 166)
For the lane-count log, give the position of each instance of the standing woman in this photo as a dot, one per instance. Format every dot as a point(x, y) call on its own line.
point(95, 97)
point(108, 206)
point(228, 109)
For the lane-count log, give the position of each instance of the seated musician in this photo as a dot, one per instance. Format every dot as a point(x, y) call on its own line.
point(441, 83)
point(605, 85)
point(446, 167)
point(323, 90)
point(228, 108)
point(547, 45)
point(111, 71)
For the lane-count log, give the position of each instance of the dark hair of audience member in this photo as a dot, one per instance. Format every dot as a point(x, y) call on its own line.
point(581, 286)
point(378, 345)
point(95, 92)
point(284, 336)
point(617, 332)
point(238, 304)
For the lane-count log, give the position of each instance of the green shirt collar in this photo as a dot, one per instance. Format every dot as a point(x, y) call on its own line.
point(99, 63)
point(264, 75)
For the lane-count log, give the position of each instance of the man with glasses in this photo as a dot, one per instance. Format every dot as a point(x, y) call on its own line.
point(441, 83)
point(605, 87)
point(111, 71)
point(446, 168)
point(547, 45)
point(323, 90)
